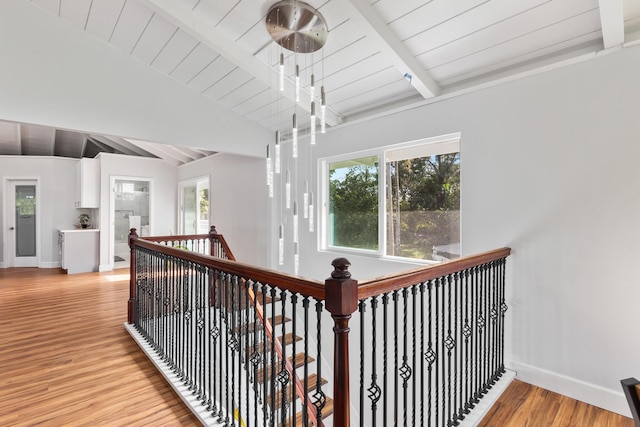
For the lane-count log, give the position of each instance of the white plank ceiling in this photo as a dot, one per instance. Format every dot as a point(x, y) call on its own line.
point(380, 55)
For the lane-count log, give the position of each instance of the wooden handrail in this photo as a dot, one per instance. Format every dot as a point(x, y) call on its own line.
point(211, 236)
point(394, 282)
point(290, 283)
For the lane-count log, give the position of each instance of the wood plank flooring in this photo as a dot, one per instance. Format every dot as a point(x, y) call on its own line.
point(524, 405)
point(66, 360)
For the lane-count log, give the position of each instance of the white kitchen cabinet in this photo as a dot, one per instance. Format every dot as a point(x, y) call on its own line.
point(79, 250)
point(88, 183)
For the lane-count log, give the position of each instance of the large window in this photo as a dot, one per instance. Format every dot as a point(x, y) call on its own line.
point(408, 207)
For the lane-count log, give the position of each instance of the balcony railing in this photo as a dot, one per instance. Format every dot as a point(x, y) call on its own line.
point(261, 348)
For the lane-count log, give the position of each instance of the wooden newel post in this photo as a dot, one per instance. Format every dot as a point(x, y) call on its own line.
point(341, 300)
point(131, 307)
point(212, 238)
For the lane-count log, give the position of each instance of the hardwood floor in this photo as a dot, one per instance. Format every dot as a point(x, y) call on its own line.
point(524, 405)
point(65, 359)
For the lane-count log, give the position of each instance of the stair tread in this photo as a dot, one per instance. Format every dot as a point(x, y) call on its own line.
point(249, 327)
point(313, 382)
point(288, 339)
point(299, 361)
point(326, 411)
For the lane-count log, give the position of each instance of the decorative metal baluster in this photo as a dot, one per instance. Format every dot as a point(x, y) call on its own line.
point(475, 299)
point(503, 310)
point(320, 398)
point(396, 368)
point(385, 367)
point(374, 388)
point(414, 328)
point(272, 342)
point(265, 361)
point(430, 355)
point(294, 321)
point(421, 289)
point(457, 379)
point(255, 358)
point(448, 344)
point(466, 332)
point(233, 343)
point(405, 370)
point(305, 404)
point(224, 310)
point(244, 330)
point(213, 338)
point(493, 289)
point(361, 309)
point(487, 313)
point(283, 376)
point(439, 360)
point(204, 300)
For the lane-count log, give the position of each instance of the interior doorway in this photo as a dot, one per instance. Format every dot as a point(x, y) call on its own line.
point(194, 206)
point(22, 223)
point(130, 208)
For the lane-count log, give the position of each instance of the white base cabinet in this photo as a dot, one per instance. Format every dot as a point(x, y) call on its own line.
point(79, 250)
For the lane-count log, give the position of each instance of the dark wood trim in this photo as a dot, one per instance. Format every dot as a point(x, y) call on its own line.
point(395, 282)
point(303, 286)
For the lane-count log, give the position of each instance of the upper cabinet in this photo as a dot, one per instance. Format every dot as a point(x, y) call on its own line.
point(88, 183)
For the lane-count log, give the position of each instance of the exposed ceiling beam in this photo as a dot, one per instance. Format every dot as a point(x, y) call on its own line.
point(199, 27)
point(122, 148)
point(156, 151)
point(392, 46)
point(10, 142)
point(124, 143)
point(612, 22)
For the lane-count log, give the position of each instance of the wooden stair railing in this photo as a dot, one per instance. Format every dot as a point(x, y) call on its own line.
point(341, 297)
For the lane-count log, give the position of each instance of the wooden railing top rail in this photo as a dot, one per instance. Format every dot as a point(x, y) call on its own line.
point(212, 234)
point(290, 283)
point(393, 282)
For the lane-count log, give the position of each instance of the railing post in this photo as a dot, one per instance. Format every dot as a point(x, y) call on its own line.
point(341, 300)
point(212, 237)
point(131, 309)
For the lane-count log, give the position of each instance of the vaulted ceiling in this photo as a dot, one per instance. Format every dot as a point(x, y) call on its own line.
point(380, 55)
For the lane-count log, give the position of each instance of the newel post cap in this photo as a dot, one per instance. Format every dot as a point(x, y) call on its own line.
point(132, 235)
point(341, 292)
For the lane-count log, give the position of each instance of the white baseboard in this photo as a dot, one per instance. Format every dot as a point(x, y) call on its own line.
point(185, 394)
point(55, 264)
point(611, 400)
point(488, 400)
point(105, 267)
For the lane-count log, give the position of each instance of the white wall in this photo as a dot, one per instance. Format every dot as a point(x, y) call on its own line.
point(237, 200)
point(163, 195)
point(549, 168)
point(57, 200)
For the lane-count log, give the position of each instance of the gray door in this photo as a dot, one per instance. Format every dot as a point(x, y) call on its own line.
point(25, 221)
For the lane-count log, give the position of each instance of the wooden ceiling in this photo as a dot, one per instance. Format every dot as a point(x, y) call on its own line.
point(380, 55)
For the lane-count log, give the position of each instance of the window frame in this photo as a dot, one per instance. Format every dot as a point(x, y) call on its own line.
point(425, 146)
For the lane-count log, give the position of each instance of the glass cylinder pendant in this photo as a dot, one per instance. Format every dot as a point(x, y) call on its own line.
point(281, 245)
point(295, 222)
point(305, 201)
point(311, 224)
point(277, 152)
point(287, 191)
point(294, 137)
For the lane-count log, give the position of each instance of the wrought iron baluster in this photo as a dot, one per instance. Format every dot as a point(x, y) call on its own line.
point(414, 328)
point(396, 368)
point(385, 367)
point(405, 369)
point(283, 376)
point(294, 398)
point(361, 309)
point(320, 398)
point(374, 388)
point(305, 404)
